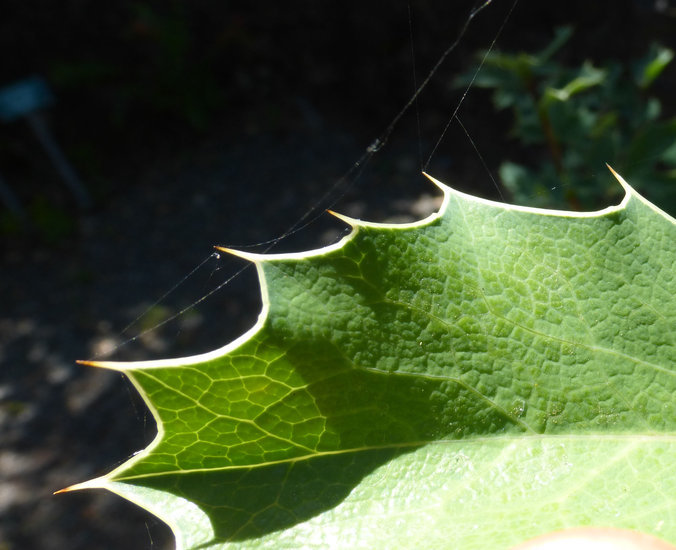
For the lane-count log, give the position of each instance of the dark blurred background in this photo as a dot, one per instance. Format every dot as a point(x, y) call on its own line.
point(199, 123)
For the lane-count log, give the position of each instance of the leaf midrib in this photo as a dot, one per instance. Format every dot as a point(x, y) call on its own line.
point(633, 439)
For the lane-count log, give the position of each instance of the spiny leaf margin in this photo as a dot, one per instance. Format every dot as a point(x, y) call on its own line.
point(191, 515)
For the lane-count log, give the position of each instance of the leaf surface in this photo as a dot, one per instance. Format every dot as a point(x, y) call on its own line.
point(483, 376)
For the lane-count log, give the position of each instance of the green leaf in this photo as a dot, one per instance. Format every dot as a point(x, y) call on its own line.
point(483, 376)
point(561, 36)
point(654, 64)
point(588, 77)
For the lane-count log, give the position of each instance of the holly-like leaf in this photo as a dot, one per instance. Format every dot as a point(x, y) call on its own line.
point(483, 376)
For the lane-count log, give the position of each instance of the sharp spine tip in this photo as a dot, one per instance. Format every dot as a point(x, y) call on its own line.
point(68, 489)
point(88, 363)
point(91, 484)
point(436, 182)
point(233, 252)
point(110, 365)
point(619, 178)
point(349, 221)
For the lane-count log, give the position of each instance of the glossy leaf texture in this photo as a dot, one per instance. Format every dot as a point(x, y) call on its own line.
point(472, 380)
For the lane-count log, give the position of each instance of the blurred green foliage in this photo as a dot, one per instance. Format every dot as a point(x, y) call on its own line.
point(572, 120)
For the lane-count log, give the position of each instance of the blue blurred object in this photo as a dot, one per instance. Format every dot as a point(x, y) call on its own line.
point(23, 97)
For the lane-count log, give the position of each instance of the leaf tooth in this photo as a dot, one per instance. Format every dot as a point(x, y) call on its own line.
point(112, 365)
point(352, 222)
point(436, 182)
point(623, 183)
point(97, 483)
point(67, 489)
point(250, 256)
